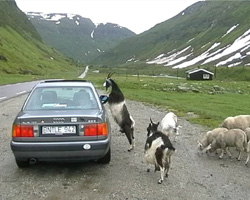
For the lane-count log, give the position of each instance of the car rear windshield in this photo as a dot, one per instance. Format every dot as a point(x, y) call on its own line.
point(58, 98)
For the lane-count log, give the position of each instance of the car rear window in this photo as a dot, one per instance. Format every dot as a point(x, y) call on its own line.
point(57, 98)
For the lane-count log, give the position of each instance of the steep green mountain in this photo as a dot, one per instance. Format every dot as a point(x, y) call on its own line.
point(208, 33)
point(77, 37)
point(21, 48)
point(14, 18)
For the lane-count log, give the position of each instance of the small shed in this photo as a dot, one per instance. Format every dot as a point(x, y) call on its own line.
point(199, 74)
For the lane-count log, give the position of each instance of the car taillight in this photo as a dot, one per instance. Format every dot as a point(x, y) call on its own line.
point(22, 131)
point(96, 129)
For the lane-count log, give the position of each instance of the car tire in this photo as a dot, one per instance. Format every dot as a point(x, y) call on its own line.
point(106, 159)
point(22, 164)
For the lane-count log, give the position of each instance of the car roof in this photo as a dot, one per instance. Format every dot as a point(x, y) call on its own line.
point(56, 83)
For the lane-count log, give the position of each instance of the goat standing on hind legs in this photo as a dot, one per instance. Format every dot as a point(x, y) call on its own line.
point(119, 110)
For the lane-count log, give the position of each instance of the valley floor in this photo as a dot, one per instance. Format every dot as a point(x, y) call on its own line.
point(192, 176)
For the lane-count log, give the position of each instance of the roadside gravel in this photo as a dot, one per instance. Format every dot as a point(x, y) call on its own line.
point(191, 176)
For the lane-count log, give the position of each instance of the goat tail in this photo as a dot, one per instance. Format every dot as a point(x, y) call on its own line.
point(167, 147)
point(169, 151)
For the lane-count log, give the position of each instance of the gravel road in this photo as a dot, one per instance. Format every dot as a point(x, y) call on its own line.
point(192, 176)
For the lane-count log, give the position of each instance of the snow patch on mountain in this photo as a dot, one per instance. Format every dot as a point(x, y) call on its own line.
point(162, 60)
point(55, 17)
point(176, 60)
point(196, 59)
point(238, 44)
point(230, 30)
point(236, 56)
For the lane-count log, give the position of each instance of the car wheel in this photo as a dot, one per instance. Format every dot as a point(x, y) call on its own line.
point(22, 164)
point(106, 159)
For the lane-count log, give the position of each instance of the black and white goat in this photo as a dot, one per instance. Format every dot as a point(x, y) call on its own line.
point(119, 110)
point(158, 152)
point(152, 127)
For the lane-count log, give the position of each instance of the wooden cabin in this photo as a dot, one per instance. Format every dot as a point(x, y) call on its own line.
point(199, 74)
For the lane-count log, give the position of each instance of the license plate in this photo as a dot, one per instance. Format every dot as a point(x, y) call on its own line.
point(58, 130)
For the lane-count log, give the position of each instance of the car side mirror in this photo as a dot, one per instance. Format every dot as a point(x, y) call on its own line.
point(104, 99)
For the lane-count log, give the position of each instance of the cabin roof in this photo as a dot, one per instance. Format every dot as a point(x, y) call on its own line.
point(196, 70)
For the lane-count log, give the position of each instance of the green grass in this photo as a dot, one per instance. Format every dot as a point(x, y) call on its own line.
point(215, 100)
point(31, 60)
point(27, 56)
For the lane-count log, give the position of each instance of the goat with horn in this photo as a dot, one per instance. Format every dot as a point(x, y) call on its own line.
point(119, 110)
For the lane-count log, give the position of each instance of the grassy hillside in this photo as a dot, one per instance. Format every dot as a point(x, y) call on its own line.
point(22, 51)
point(12, 16)
point(199, 26)
point(26, 57)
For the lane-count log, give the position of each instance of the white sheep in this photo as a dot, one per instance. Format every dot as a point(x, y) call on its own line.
point(209, 137)
point(231, 138)
point(169, 125)
point(240, 121)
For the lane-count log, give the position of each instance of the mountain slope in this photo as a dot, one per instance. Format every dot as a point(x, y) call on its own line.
point(77, 37)
point(21, 48)
point(207, 33)
point(14, 18)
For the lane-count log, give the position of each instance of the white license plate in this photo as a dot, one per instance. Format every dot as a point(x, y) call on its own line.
point(58, 130)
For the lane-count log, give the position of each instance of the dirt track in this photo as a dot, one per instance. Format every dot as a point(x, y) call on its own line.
point(192, 176)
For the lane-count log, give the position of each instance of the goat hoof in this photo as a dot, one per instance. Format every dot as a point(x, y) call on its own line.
point(160, 181)
point(130, 148)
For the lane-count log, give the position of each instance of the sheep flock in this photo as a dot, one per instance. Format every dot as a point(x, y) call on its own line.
point(233, 132)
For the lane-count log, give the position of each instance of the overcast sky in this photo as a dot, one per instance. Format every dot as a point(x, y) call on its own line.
point(136, 15)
